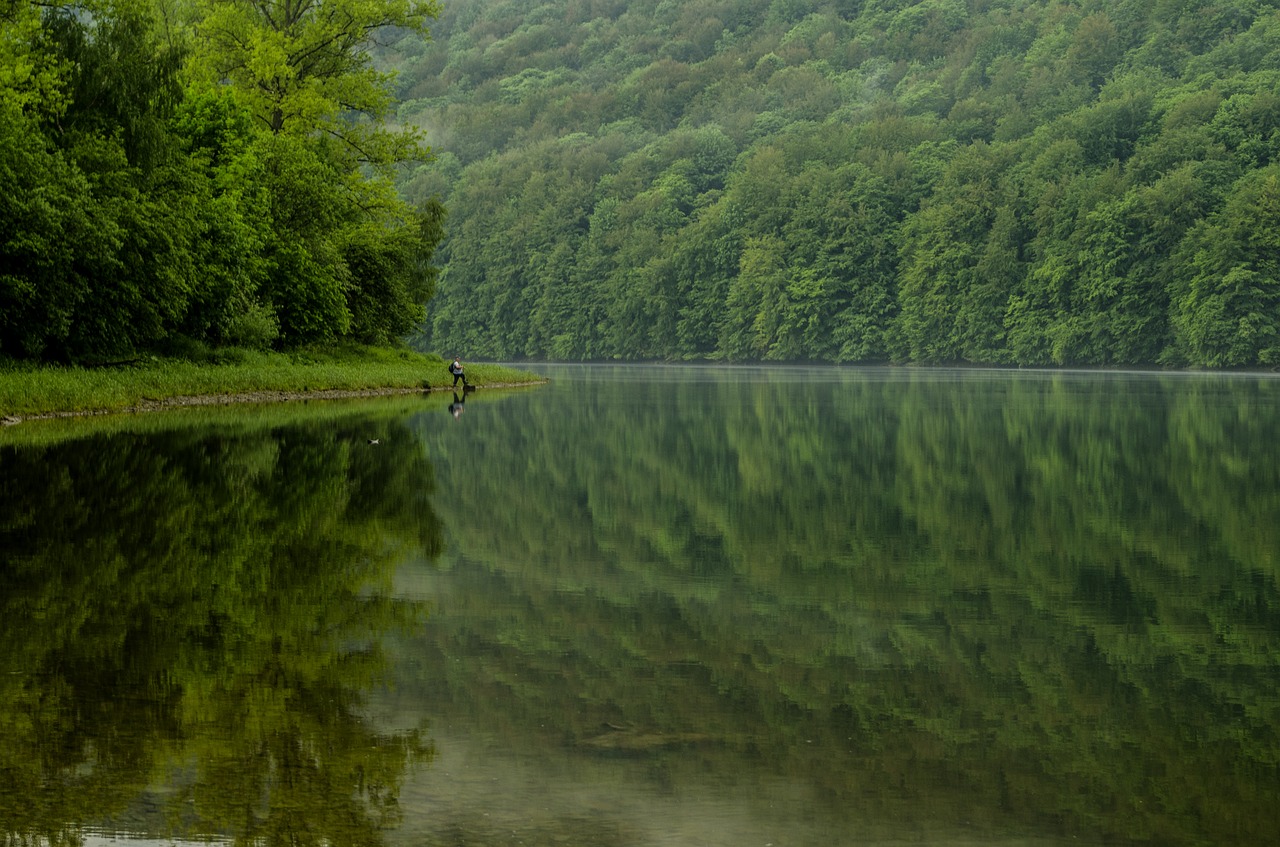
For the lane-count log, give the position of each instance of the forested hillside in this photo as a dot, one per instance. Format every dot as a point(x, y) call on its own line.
point(998, 181)
point(177, 175)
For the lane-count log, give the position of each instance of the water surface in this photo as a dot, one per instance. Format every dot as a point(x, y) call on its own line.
point(656, 606)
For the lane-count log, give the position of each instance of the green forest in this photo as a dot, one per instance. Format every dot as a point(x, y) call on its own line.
point(1023, 182)
point(1020, 182)
point(189, 174)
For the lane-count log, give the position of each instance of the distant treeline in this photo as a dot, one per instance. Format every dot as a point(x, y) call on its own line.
point(177, 175)
point(1000, 181)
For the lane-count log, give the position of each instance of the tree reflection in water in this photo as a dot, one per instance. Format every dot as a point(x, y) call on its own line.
point(1014, 604)
point(191, 620)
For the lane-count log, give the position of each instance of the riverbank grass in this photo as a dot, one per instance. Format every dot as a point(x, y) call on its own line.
point(28, 390)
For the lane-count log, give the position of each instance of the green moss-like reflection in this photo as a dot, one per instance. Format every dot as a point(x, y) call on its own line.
point(191, 619)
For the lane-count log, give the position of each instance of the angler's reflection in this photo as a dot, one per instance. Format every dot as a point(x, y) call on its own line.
point(212, 606)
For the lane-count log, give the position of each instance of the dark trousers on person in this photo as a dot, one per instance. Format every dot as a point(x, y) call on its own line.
point(459, 376)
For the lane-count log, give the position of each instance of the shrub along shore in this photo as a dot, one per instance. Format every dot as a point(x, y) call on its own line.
point(232, 376)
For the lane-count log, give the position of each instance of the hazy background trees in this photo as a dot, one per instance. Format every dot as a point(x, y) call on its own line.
point(1016, 181)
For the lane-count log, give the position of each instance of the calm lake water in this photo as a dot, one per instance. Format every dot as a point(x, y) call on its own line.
point(653, 606)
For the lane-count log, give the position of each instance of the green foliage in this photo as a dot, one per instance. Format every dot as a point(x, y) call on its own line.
point(1022, 183)
point(207, 173)
point(304, 67)
point(391, 276)
point(48, 216)
point(1230, 313)
point(97, 236)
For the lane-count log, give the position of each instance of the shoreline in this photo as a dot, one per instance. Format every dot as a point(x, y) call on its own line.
point(266, 396)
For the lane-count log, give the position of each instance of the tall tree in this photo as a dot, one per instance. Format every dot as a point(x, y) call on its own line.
point(304, 66)
point(346, 256)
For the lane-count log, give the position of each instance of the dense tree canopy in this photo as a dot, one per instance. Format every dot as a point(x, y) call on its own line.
point(209, 173)
point(1006, 181)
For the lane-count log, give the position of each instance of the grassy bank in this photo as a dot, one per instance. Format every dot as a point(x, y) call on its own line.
point(26, 391)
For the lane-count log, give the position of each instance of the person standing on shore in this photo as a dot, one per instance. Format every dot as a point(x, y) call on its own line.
point(456, 370)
